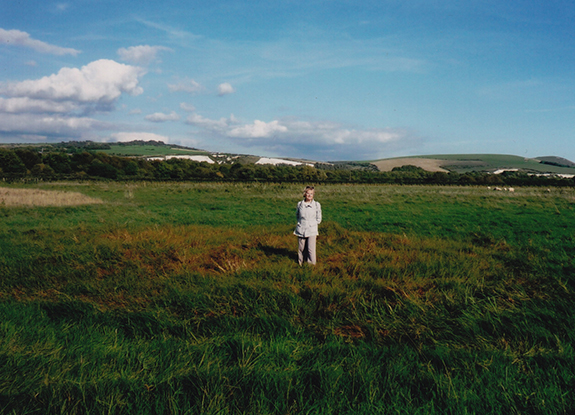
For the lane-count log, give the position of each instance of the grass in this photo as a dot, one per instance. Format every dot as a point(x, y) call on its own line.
point(186, 298)
point(465, 163)
point(147, 150)
point(34, 197)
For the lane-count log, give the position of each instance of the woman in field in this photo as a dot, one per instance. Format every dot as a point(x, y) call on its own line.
point(308, 217)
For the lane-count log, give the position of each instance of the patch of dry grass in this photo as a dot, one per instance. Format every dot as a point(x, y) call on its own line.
point(426, 164)
point(35, 197)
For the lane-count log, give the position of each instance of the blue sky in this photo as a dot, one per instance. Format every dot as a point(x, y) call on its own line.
point(315, 79)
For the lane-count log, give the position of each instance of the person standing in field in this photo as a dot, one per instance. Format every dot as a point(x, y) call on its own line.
point(308, 218)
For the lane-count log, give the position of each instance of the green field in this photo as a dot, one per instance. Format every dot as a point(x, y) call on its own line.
point(185, 298)
point(466, 163)
point(148, 150)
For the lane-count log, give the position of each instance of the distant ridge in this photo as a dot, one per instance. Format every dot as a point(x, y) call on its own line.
point(490, 163)
point(556, 161)
point(446, 163)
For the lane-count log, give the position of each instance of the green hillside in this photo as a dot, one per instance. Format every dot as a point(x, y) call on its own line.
point(458, 163)
point(147, 150)
point(464, 163)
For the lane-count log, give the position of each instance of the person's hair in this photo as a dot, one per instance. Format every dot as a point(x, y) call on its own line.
point(308, 188)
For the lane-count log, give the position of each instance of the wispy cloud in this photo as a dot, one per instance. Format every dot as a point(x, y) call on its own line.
point(558, 109)
point(23, 39)
point(141, 55)
point(170, 30)
point(187, 107)
point(49, 124)
point(322, 140)
point(186, 85)
point(62, 7)
point(511, 89)
point(161, 117)
point(19, 105)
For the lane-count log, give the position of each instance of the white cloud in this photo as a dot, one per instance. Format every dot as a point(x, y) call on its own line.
point(171, 31)
point(161, 117)
point(225, 89)
point(47, 124)
point(135, 111)
point(258, 129)
point(131, 136)
point(32, 63)
point(101, 81)
point(57, 105)
point(220, 126)
point(141, 55)
point(18, 38)
point(186, 85)
point(31, 105)
point(187, 107)
point(321, 140)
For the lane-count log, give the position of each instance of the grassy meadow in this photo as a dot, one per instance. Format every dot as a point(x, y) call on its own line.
point(148, 150)
point(186, 298)
point(468, 163)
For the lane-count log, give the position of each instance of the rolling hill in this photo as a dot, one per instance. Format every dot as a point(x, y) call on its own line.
point(491, 163)
point(459, 163)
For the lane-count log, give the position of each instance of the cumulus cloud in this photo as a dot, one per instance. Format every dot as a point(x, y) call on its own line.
point(161, 117)
point(132, 136)
point(225, 89)
point(101, 81)
point(186, 85)
point(141, 55)
point(58, 104)
point(18, 38)
point(321, 140)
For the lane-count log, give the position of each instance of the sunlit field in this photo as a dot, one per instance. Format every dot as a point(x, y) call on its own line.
point(35, 197)
point(186, 298)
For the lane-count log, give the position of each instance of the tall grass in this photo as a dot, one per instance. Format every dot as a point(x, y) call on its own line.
point(34, 197)
point(186, 298)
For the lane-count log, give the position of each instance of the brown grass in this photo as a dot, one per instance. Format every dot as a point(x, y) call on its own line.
point(431, 165)
point(426, 164)
point(35, 197)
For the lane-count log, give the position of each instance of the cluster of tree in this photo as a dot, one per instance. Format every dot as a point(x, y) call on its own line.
point(30, 163)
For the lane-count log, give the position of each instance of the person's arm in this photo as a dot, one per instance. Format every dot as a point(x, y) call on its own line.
point(297, 214)
point(318, 213)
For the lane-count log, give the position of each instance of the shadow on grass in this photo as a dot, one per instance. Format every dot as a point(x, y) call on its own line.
point(275, 251)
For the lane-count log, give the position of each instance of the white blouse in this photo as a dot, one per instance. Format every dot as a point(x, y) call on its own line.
point(308, 217)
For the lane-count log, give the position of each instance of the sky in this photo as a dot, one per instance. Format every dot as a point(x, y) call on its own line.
point(314, 79)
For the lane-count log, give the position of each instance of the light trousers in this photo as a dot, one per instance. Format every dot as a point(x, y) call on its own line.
point(306, 250)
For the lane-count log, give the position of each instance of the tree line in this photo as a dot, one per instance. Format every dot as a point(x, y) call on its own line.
point(23, 163)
